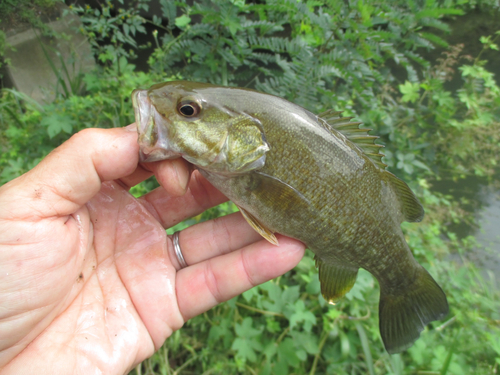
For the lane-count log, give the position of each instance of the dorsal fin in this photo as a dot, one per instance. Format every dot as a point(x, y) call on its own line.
point(351, 130)
point(410, 206)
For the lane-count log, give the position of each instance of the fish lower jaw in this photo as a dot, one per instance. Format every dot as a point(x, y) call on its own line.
point(142, 110)
point(149, 154)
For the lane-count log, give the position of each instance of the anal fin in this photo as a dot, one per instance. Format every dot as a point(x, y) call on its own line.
point(259, 227)
point(336, 279)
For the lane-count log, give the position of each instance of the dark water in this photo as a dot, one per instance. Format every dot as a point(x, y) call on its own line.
point(482, 199)
point(477, 195)
point(488, 234)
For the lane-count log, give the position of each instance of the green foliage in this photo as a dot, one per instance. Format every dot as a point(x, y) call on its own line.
point(33, 130)
point(465, 127)
point(67, 84)
point(338, 55)
point(327, 54)
point(110, 31)
point(25, 10)
point(359, 56)
point(3, 48)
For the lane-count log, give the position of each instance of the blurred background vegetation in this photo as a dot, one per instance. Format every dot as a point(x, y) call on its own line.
point(394, 65)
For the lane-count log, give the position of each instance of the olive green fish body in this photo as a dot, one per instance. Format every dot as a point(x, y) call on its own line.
point(335, 199)
point(292, 172)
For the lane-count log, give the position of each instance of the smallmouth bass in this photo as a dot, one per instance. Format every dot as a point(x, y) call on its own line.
point(318, 179)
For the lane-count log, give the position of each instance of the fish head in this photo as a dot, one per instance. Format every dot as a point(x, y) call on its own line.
point(198, 122)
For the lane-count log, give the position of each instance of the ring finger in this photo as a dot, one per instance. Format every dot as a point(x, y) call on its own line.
point(212, 238)
point(211, 282)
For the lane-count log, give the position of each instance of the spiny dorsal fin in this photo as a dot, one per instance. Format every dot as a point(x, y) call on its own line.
point(351, 130)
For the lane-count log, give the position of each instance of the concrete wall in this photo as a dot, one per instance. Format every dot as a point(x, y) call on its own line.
point(30, 70)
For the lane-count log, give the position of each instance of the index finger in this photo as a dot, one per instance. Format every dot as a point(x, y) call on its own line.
point(170, 210)
point(72, 174)
point(172, 174)
point(206, 284)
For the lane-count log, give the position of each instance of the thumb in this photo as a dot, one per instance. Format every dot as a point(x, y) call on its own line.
point(71, 174)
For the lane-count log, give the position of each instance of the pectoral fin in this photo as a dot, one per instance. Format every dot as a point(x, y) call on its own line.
point(336, 279)
point(259, 227)
point(276, 190)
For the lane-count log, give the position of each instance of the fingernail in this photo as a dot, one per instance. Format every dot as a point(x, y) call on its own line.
point(131, 127)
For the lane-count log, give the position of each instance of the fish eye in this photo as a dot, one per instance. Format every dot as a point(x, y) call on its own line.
point(188, 108)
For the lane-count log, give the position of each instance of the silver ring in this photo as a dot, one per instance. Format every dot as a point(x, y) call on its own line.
point(178, 251)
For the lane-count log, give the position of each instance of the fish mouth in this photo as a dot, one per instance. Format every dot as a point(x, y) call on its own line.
point(152, 139)
point(152, 154)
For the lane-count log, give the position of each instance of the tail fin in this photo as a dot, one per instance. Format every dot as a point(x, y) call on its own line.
point(403, 316)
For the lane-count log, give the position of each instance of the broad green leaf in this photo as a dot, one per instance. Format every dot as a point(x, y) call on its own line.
point(301, 314)
point(288, 352)
point(182, 21)
point(245, 349)
point(57, 123)
point(245, 329)
point(291, 294)
point(249, 294)
point(410, 91)
point(443, 99)
point(275, 302)
point(306, 341)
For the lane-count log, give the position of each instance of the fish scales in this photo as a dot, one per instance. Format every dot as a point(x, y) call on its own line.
point(313, 161)
point(294, 173)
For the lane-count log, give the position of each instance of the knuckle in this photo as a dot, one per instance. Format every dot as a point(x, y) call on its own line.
point(248, 269)
point(212, 282)
point(220, 235)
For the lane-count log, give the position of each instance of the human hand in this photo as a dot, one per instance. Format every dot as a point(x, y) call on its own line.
point(89, 281)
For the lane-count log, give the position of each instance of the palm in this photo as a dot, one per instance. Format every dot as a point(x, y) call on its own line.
point(95, 289)
point(88, 280)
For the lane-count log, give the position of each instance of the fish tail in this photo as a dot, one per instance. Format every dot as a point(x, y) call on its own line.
point(403, 316)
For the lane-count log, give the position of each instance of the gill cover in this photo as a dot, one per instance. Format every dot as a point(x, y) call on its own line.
point(242, 147)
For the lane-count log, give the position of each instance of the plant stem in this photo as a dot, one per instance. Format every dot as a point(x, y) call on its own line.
point(185, 364)
point(259, 310)
point(320, 348)
point(476, 60)
point(356, 318)
point(283, 334)
point(446, 324)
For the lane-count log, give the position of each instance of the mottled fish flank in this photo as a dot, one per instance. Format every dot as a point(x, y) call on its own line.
point(319, 179)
